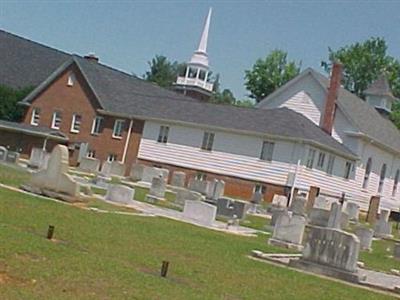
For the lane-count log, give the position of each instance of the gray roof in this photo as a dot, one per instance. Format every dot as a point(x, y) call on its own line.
point(380, 87)
point(25, 63)
point(32, 130)
point(123, 94)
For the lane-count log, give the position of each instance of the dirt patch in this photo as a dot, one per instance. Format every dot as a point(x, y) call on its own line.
point(4, 278)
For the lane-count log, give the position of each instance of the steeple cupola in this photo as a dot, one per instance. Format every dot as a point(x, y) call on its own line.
point(196, 81)
point(379, 95)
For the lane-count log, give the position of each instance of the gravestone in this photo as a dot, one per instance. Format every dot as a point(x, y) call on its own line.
point(298, 206)
point(383, 228)
point(106, 169)
point(39, 158)
point(200, 186)
point(12, 157)
point(151, 172)
point(157, 189)
point(365, 235)
point(396, 251)
point(373, 209)
point(228, 207)
point(3, 153)
point(322, 202)
point(353, 211)
point(55, 180)
point(200, 212)
point(289, 231)
point(183, 195)
point(257, 198)
point(276, 213)
point(319, 217)
point(137, 172)
point(178, 179)
point(335, 216)
point(117, 168)
point(120, 193)
point(218, 190)
point(331, 252)
point(279, 200)
point(89, 164)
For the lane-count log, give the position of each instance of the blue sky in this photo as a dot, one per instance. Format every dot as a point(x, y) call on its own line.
point(127, 34)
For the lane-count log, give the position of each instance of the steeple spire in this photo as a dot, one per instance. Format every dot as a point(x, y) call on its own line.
point(204, 35)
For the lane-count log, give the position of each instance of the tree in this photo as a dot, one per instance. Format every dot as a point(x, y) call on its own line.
point(162, 71)
point(363, 63)
point(9, 97)
point(269, 74)
point(244, 103)
point(226, 97)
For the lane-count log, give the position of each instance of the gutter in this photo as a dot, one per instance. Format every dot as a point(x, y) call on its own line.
point(244, 132)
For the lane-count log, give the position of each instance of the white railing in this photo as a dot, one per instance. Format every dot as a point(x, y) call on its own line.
point(195, 82)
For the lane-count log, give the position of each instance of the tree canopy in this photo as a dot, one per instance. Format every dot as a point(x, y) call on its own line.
point(162, 71)
point(270, 73)
point(363, 63)
point(9, 97)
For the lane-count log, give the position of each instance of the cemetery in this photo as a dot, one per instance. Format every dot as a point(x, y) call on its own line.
point(330, 239)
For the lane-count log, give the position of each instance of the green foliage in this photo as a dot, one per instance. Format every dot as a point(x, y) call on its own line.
point(395, 114)
point(363, 63)
point(226, 97)
point(163, 72)
point(9, 97)
point(244, 103)
point(270, 73)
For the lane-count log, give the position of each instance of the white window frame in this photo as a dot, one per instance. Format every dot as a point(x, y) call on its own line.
point(310, 158)
point(259, 188)
point(96, 125)
point(331, 164)
point(208, 141)
point(267, 150)
point(57, 117)
point(201, 176)
point(163, 134)
point(321, 160)
point(35, 117)
point(118, 129)
point(368, 168)
point(75, 124)
point(91, 154)
point(111, 157)
point(348, 168)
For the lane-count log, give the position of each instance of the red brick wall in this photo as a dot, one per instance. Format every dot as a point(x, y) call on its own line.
point(79, 99)
point(234, 187)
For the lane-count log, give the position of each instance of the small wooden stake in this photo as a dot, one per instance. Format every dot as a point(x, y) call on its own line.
point(164, 268)
point(50, 232)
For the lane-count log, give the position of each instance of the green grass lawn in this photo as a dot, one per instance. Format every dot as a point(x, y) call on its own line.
point(13, 175)
point(108, 256)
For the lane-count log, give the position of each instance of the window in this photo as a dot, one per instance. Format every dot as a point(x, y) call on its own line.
point(208, 140)
point(97, 125)
point(267, 151)
point(76, 123)
point(259, 188)
point(163, 134)
point(202, 74)
point(396, 183)
point(91, 154)
point(192, 72)
point(35, 118)
point(201, 176)
point(347, 169)
point(71, 79)
point(321, 160)
point(118, 128)
point(382, 178)
point(310, 159)
point(367, 173)
point(56, 121)
point(331, 162)
point(111, 157)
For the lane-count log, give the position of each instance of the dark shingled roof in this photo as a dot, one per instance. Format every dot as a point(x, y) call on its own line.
point(25, 63)
point(30, 129)
point(380, 87)
point(120, 93)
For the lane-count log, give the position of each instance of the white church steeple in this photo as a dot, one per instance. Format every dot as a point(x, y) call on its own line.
point(195, 82)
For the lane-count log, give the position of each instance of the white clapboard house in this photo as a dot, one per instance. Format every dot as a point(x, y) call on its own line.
point(361, 126)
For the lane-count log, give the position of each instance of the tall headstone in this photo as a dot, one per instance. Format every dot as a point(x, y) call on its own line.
point(289, 231)
point(279, 200)
point(3, 153)
point(178, 179)
point(219, 188)
point(120, 193)
point(276, 213)
point(106, 169)
point(200, 212)
point(150, 172)
point(373, 209)
point(353, 210)
point(335, 216)
point(365, 235)
point(158, 187)
point(55, 180)
point(39, 158)
point(137, 172)
point(383, 228)
point(319, 217)
point(298, 206)
point(331, 252)
point(200, 186)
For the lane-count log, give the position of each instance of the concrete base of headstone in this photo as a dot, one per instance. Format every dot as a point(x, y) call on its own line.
point(325, 270)
point(91, 165)
point(154, 199)
point(286, 245)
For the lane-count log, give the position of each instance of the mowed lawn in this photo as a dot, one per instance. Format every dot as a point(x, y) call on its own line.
point(111, 256)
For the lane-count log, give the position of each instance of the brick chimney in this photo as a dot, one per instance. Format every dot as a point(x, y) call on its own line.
point(330, 103)
point(92, 57)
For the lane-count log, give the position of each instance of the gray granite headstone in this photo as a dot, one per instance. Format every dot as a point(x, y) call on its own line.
point(279, 200)
point(88, 164)
point(353, 210)
point(228, 207)
point(137, 172)
point(178, 179)
point(39, 158)
point(298, 206)
point(256, 198)
point(183, 195)
point(365, 235)
point(3, 153)
point(200, 212)
point(120, 193)
point(276, 213)
point(383, 228)
point(12, 157)
point(158, 187)
point(200, 186)
point(319, 217)
point(335, 216)
point(219, 188)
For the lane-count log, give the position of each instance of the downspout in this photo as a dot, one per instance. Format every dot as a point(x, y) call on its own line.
point(128, 137)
